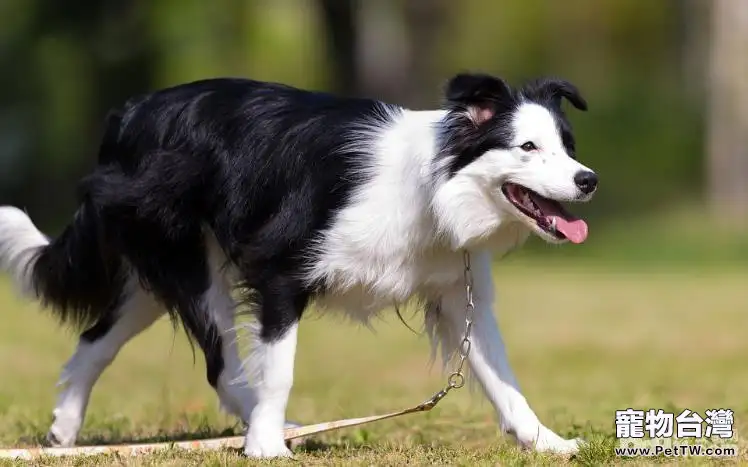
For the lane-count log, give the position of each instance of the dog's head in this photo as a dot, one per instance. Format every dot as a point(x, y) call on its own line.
point(508, 155)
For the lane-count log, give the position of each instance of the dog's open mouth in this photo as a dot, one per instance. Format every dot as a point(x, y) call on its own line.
point(548, 214)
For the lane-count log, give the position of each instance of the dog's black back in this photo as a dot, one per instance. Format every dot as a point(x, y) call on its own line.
point(263, 166)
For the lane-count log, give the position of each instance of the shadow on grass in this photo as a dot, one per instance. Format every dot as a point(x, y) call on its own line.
point(115, 432)
point(39, 438)
point(112, 437)
point(161, 437)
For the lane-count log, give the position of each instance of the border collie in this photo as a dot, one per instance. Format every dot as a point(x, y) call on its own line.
point(302, 197)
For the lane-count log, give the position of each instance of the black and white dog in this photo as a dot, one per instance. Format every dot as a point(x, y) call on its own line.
point(302, 197)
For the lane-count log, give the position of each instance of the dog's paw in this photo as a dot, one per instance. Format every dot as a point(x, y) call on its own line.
point(265, 452)
point(56, 439)
point(266, 446)
point(62, 433)
point(549, 442)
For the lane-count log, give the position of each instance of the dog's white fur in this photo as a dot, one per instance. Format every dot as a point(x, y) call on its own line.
point(400, 238)
point(371, 262)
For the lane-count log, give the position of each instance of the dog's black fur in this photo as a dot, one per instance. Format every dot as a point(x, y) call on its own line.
point(194, 156)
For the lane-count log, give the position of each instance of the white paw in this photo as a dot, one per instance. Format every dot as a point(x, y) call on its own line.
point(549, 442)
point(265, 446)
point(63, 432)
point(290, 443)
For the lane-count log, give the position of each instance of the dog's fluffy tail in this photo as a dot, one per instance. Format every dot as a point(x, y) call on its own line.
point(71, 274)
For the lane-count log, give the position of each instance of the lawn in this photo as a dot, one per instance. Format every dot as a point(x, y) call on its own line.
point(585, 341)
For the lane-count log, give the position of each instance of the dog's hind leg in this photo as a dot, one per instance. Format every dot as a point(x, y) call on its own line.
point(445, 321)
point(227, 373)
point(96, 349)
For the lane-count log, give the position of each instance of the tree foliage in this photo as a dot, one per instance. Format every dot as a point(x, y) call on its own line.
point(67, 62)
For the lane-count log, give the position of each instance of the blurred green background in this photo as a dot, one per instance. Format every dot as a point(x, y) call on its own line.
point(666, 82)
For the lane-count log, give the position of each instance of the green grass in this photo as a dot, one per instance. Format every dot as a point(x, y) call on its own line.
point(584, 342)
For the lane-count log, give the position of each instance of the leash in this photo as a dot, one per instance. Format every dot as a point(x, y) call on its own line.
point(455, 380)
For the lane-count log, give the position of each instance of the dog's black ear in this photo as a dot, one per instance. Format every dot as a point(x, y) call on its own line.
point(479, 94)
point(555, 89)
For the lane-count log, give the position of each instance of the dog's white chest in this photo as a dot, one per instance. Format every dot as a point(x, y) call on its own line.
point(363, 292)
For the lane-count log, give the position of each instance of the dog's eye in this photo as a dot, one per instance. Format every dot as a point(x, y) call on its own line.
point(529, 146)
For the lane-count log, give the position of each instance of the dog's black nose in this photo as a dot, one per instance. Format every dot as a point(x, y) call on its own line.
point(586, 181)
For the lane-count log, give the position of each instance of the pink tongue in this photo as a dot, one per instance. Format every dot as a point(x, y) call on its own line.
point(571, 227)
point(575, 229)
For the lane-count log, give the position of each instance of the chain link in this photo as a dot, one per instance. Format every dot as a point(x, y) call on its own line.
point(456, 379)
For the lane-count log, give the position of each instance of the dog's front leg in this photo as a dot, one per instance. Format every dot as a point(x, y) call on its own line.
point(271, 368)
point(488, 361)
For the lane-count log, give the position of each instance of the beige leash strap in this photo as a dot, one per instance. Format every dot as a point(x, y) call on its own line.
point(236, 442)
point(455, 380)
